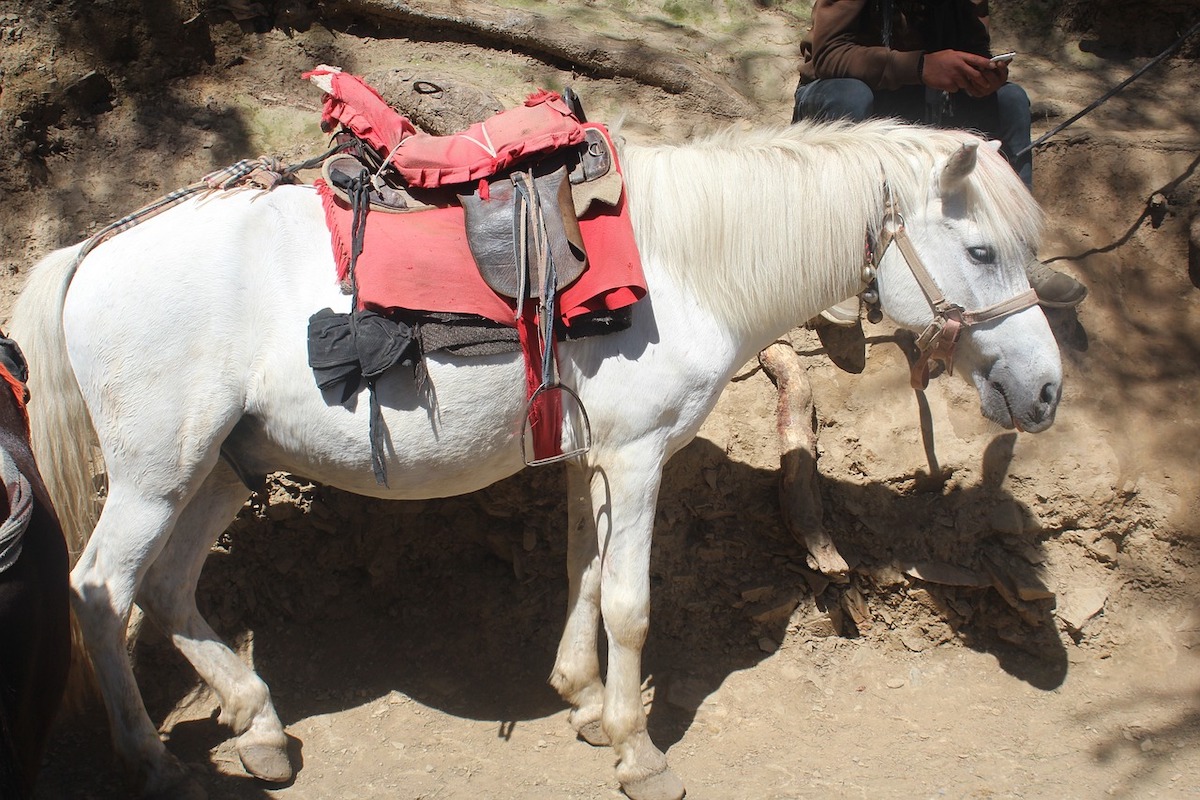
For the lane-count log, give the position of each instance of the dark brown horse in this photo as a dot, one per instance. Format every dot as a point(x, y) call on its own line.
point(35, 639)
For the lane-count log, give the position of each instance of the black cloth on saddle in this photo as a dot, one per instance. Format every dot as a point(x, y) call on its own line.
point(345, 348)
point(336, 354)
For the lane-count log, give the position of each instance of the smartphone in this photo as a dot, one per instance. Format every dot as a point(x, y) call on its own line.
point(1003, 57)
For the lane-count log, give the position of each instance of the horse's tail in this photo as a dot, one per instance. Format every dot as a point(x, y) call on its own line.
point(64, 442)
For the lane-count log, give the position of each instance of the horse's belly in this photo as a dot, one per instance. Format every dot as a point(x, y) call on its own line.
point(459, 432)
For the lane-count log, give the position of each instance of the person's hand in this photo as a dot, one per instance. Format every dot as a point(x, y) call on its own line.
point(995, 76)
point(954, 70)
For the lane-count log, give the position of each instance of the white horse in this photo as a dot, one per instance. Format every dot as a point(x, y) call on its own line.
point(179, 347)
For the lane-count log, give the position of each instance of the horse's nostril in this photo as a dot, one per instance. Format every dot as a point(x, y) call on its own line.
point(1050, 393)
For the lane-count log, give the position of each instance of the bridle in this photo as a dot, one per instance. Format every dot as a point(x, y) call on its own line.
point(939, 340)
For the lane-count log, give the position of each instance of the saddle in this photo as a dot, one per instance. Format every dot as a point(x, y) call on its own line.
point(523, 178)
point(519, 181)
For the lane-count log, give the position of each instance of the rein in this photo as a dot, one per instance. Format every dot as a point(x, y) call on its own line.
point(939, 340)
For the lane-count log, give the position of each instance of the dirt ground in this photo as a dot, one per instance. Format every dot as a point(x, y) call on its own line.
point(1022, 622)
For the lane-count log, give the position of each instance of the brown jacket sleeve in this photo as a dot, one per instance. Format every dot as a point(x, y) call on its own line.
point(838, 50)
point(844, 44)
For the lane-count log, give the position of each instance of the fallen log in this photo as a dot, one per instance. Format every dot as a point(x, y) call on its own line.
point(799, 493)
point(587, 51)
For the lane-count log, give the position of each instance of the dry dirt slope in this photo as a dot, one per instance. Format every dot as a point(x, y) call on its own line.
point(407, 644)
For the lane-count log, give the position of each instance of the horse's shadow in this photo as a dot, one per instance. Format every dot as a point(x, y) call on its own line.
point(973, 554)
point(458, 603)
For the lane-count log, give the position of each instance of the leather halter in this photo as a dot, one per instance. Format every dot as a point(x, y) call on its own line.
point(939, 340)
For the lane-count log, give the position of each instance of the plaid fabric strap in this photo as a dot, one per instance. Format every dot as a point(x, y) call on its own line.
point(264, 173)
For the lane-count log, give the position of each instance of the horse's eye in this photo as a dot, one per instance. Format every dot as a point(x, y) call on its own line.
point(982, 255)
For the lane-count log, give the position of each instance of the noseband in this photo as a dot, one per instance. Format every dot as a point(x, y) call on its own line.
point(939, 340)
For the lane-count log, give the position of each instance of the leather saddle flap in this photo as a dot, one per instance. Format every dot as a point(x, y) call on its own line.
point(505, 224)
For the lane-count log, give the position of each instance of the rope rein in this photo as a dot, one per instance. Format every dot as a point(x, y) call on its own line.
point(1107, 95)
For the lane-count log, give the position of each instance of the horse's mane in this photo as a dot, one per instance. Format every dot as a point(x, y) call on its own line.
point(735, 201)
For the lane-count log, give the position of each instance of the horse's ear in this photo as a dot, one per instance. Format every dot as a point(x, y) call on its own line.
point(958, 167)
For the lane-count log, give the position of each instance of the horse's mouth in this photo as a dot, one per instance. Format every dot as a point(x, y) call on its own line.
point(995, 406)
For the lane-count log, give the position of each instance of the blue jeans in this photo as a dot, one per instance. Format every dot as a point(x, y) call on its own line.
point(1003, 115)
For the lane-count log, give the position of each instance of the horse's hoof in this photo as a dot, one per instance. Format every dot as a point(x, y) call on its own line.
point(267, 763)
point(593, 733)
point(663, 785)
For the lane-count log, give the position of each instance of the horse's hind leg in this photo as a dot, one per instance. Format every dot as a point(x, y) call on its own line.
point(576, 673)
point(131, 532)
point(168, 595)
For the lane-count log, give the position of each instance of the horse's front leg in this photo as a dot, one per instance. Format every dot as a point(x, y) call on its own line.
point(624, 500)
point(576, 673)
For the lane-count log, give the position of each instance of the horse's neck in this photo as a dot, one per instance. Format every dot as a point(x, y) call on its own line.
point(751, 250)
